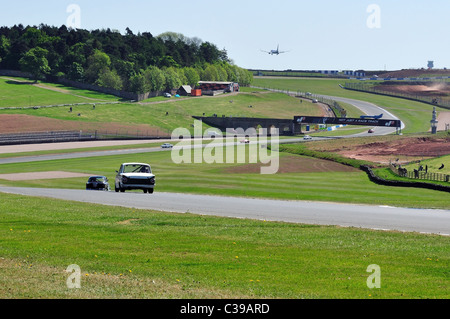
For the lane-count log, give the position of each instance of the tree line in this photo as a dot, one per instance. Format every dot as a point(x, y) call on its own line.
point(131, 62)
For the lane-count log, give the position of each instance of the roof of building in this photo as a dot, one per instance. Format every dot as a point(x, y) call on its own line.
point(187, 88)
point(214, 82)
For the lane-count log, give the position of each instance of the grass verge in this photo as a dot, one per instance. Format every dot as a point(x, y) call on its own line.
point(128, 253)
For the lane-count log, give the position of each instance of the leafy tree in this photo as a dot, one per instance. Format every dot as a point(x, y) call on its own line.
point(97, 63)
point(5, 45)
point(209, 52)
point(77, 53)
point(138, 84)
point(76, 72)
point(210, 73)
point(35, 62)
point(109, 79)
point(126, 71)
point(192, 77)
point(221, 73)
point(155, 79)
point(168, 61)
point(173, 80)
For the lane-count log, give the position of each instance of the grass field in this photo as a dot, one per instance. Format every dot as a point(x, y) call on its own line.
point(20, 92)
point(415, 115)
point(166, 114)
point(434, 164)
point(128, 253)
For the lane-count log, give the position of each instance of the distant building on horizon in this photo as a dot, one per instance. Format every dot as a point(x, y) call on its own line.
point(355, 73)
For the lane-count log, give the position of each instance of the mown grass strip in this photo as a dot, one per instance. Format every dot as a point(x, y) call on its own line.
point(129, 253)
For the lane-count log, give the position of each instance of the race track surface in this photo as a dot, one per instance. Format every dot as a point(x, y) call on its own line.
point(303, 212)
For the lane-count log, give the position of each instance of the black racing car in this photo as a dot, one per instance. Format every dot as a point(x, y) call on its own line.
point(98, 183)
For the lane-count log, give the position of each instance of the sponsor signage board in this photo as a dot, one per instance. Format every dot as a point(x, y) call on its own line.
point(347, 121)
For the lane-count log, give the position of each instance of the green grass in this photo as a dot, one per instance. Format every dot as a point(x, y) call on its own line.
point(415, 115)
point(129, 253)
point(217, 179)
point(18, 92)
point(387, 174)
point(153, 111)
point(433, 164)
point(433, 167)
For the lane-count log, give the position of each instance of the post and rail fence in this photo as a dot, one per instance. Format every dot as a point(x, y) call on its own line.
point(419, 174)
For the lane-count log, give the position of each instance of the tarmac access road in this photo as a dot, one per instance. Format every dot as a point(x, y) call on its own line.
point(427, 221)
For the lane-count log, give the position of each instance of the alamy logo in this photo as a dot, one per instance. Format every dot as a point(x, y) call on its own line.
point(74, 280)
point(252, 147)
point(374, 19)
point(374, 280)
point(74, 19)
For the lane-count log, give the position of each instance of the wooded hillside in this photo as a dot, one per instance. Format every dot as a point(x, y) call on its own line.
point(130, 62)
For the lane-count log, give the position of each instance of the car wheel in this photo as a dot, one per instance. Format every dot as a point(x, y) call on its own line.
point(145, 191)
point(150, 190)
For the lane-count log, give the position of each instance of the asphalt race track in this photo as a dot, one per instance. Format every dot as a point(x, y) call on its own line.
point(303, 212)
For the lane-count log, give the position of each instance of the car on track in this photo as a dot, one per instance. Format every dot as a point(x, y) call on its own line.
point(245, 141)
point(99, 183)
point(167, 145)
point(132, 176)
point(370, 131)
point(307, 137)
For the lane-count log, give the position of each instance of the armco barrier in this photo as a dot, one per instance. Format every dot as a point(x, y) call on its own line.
point(381, 181)
point(44, 137)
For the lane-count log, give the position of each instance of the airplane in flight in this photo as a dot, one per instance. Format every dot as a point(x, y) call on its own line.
point(275, 52)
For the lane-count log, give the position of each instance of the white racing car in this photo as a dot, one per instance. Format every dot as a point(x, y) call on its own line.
point(135, 176)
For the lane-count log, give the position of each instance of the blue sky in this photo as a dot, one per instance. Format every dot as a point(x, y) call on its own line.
point(320, 35)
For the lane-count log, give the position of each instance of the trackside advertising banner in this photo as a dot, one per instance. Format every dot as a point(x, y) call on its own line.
point(347, 121)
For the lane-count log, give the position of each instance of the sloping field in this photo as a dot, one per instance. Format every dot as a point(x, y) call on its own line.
point(19, 92)
point(158, 113)
point(22, 123)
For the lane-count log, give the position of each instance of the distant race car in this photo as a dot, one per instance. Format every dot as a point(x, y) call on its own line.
point(166, 145)
point(246, 141)
point(307, 137)
point(370, 131)
point(99, 183)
